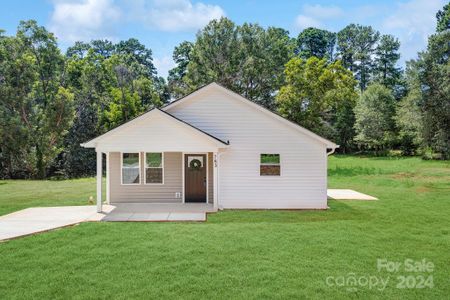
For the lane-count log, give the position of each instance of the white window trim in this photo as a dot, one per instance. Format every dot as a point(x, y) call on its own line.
point(121, 168)
point(269, 164)
point(145, 169)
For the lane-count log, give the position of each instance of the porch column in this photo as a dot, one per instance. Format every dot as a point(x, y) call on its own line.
point(107, 177)
point(99, 181)
point(215, 180)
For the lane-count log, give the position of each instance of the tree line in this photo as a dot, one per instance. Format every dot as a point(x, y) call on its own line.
point(345, 86)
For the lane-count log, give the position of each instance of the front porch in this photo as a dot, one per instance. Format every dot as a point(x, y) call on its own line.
point(154, 212)
point(157, 158)
point(180, 187)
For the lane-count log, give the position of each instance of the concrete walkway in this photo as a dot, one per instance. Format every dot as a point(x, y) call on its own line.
point(38, 219)
point(343, 194)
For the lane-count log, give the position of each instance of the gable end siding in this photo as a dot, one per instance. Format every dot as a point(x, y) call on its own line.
point(303, 181)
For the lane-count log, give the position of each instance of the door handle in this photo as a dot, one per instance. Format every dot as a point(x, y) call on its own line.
point(204, 181)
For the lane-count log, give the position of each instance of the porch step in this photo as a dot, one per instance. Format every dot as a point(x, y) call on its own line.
point(155, 217)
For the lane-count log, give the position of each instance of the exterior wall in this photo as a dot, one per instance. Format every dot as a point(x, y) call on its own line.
point(147, 193)
point(154, 193)
point(303, 180)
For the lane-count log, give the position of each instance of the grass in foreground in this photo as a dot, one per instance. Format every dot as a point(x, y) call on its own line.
point(248, 254)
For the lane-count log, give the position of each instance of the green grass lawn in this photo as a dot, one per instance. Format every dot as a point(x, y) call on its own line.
point(242, 254)
point(19, 194)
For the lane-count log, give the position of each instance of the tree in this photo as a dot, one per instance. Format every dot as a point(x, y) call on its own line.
point(136, 56)
point(409, 121)
point(246, 59)
point(262, 55)
point(443, 18)
point(79, 49)
point(90, 80)
point(181, 56)
point(111, 86)
point(385, 69)
point(34, 103)
point(104, 48)
point(434, 76)
point(356, 47)
point(124, 106)
point(374, 113)
point(316, 42)
point(408, 114)
point(319, 96)
point(214, 56)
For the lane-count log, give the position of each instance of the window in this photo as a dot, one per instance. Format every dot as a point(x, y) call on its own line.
point(154, 167)
point(269, 165)
point(131, 171)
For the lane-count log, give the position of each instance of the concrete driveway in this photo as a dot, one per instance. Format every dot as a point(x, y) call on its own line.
point(38, 219)
point(346, 194)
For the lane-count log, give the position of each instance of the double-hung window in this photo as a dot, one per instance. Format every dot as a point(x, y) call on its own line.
point(154, 168)
point(269, 165)
point(131, 171)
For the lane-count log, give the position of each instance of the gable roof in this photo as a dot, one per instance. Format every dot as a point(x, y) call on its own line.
point(93, 143)
point(214, 85)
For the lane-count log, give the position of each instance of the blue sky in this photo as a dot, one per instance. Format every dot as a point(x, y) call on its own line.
point(161, 25)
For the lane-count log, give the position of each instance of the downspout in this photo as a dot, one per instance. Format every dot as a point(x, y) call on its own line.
point(332, 150)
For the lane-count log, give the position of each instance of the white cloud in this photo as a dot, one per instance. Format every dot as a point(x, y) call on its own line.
point(177, 15)
point(315, 15)
point(84, 20)
point(163, 65)
point(412, 22)
point(322, 12)
point(303, 22)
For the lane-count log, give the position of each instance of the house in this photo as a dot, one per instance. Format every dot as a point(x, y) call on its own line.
point(214, 146)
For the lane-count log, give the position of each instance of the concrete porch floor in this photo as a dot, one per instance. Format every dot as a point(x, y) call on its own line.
point(154, 212)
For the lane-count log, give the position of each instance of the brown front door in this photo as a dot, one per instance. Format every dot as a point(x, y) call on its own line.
point(195, 178)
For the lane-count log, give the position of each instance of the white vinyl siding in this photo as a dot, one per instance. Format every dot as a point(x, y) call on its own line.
point(251, 132)
point(147, 193)
point(154, 193)
point(157, 132)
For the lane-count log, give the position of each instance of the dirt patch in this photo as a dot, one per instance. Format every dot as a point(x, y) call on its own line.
point(425, 177)
point(423, 189)
point(403, 175)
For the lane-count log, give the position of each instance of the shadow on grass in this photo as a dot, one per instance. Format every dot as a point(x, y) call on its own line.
point(338, 211)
